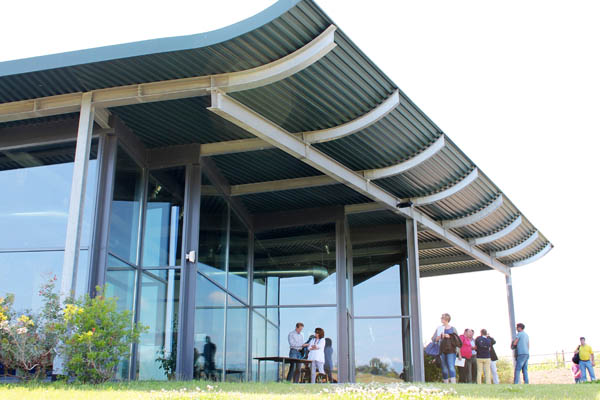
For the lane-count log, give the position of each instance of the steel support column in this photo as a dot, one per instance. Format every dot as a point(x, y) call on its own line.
point(187, 302)
point(107, 160)
point(350, 299)
point(342, 308)
point(412, 244)
point(250, 303)
point(77, 199)
point(511, 306)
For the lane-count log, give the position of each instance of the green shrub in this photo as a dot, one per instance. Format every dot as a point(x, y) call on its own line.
point(28, 341)
point(96, 337)
point(433, 370)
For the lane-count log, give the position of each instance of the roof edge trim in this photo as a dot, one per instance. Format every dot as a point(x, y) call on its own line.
point(534, 257)
point(146, 47)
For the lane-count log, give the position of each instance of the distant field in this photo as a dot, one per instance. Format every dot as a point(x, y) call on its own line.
point(286, 391)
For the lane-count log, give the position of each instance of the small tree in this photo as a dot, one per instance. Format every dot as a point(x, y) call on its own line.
point(28, 342)
point(96, 337)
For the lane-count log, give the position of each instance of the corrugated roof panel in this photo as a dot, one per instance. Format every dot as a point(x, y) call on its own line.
point(262, 166)
point(302, 198)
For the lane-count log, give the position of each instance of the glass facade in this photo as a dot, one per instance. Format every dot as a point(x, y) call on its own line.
point(378, 334)
point(293, 270)
point(34, 206)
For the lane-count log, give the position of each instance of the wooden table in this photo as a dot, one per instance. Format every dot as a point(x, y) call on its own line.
point(281, 362)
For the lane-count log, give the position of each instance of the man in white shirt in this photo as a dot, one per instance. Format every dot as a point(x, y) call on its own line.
point(296, 341)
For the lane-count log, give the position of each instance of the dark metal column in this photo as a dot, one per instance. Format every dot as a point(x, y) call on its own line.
point(107, 160)
point(187, 302)
point(405, 307)
point(342, 309)
point(412, 244)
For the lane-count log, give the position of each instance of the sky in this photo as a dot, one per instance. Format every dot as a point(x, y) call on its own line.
point(515, 84)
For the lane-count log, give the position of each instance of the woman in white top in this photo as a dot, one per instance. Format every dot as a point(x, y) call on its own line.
point(317, 354)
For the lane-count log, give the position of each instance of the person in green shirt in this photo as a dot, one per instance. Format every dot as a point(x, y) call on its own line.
point(586, 360)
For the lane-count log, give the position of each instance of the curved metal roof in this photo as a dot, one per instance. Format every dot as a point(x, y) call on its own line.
point(340, 87)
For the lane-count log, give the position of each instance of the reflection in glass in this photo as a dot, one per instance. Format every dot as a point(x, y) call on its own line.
point(36, 189)
point(237, 282)
point(312, 318)
point(376, 290)
point(212, 247)
point(23, 273)
point(164, 218)
point(120, 283)
point(259, 341)
point(237, 328)
point(158, 311)
point(378, 349)
point(125, 208)
point(303, 259)
point(208, 332)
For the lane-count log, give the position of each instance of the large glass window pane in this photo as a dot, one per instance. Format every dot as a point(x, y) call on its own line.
point(259, 341)
point(378, 349)
point(209, 330)
point(158, 310)
point(237, 329)
point(164, 218)
point(303, 258)
point(36, 190)
point(376, 289)
point(23, 273)
point(312, 318)
point(120, 283)
point(237, 282)
point(212, 247)
point(125, 208)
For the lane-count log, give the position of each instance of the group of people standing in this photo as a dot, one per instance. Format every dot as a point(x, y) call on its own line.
point(476, 356)
point(320, 353)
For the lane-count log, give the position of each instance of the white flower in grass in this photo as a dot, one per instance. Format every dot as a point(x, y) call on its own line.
point(21, 331)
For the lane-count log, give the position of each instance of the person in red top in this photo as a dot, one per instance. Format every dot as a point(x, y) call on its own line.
point(466, 373)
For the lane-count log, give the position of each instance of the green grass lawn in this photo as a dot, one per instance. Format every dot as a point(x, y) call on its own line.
point(283, 391)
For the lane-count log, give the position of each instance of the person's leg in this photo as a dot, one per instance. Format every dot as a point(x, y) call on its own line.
point(320, 368)
point(292, 366)
point(313, 372)
point(473, 369)
point(452, 367)
point(487, 369)
point(582, 367)
point(525, 374)
point(444, 367)
point(518, 367)
point(494, 369)
point(479, 370)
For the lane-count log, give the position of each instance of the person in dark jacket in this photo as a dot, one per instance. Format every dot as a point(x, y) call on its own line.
point(445, 335)
point(328, 359)
point(483, 345)
point(494, 359)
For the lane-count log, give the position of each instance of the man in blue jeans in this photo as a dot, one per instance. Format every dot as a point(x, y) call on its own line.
point(296, 342)
point(521, 345)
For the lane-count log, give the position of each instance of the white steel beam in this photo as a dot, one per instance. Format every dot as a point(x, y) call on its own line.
point(279, 69)
point(515, 249)
point(285, 184)
point(77, 198)
point(242, 116)
point(358, 124)
point(444, 260)
point(176, 88)
point(497, 235)
point(475, 217)
point(407, 164)
point(460, 185)
point(534, 257)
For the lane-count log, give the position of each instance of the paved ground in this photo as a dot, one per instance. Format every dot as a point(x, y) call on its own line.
point(562, 375)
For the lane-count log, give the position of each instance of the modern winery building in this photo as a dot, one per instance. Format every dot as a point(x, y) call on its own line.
point(226, 185)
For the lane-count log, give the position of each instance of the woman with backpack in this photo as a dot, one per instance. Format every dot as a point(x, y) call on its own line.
point(449, 342)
